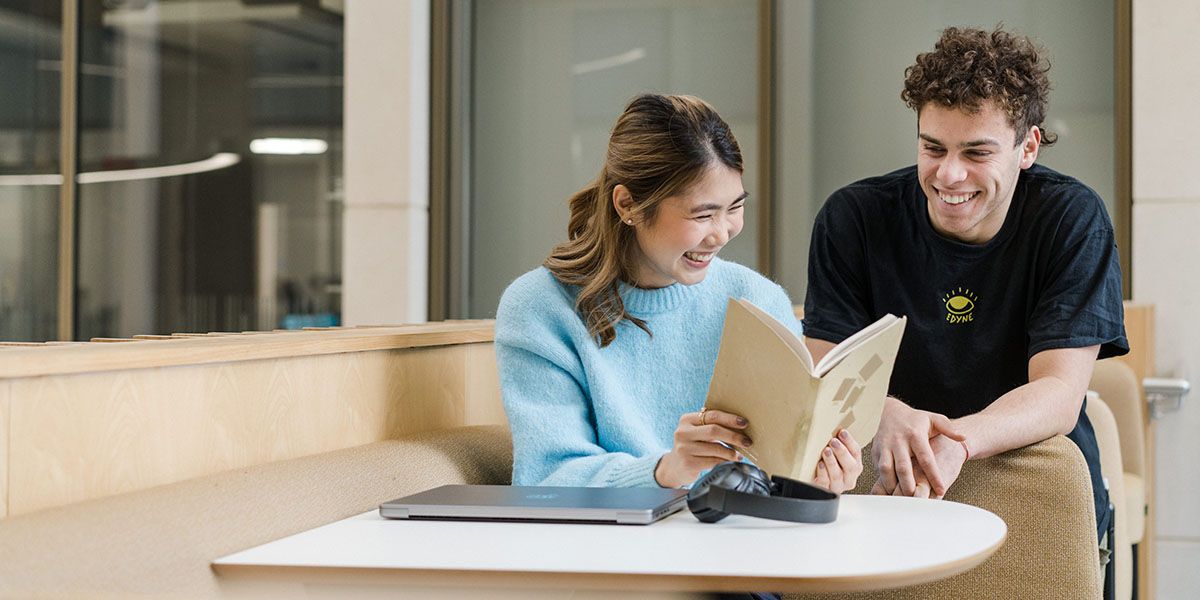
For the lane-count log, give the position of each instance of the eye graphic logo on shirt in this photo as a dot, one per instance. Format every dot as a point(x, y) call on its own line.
point(960, 306)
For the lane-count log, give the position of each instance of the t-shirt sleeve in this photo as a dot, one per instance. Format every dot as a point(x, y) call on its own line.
point(1081, 302)
point(837, 303)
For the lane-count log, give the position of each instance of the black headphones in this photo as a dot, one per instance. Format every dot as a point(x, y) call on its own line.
point(743, 489)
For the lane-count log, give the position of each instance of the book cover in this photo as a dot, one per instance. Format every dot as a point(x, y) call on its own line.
point(765, 373)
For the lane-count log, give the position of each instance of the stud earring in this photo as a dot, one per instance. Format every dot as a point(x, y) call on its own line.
point(629, 221)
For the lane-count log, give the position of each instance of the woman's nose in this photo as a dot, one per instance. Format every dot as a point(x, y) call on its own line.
point(723, 229)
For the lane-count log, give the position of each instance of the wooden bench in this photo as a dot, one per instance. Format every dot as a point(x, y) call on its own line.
point(126, 467)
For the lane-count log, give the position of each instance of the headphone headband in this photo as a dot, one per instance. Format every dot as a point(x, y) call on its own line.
point(740, 488)
point(794, 501)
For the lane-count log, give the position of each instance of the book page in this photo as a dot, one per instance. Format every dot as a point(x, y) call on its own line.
point(840, 351)
point(785, 334)
point(851, 394)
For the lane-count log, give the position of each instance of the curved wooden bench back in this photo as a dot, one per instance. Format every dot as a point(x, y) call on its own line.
point(83, 421)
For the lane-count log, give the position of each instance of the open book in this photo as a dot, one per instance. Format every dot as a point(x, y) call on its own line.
point(765, 373)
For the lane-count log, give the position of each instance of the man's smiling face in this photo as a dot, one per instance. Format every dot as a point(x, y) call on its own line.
point(968, 165)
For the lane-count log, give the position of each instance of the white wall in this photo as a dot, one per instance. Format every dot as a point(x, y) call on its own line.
point(385, 256)
point(1166, 269)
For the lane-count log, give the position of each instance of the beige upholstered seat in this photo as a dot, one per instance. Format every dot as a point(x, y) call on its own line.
point(159, 541)
point(1109, 442)
point(1135, 506)
point(1118, 386)
point(1044, 494)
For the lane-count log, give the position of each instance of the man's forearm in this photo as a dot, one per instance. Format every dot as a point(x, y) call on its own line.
point(1029, 414)
point(1046, 406)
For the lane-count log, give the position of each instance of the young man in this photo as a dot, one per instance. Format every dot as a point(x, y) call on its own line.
point(1007, 271)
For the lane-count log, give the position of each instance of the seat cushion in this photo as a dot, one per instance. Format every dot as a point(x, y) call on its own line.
point(1119, 388)
point(1044, 494)
point(1108, 439)
point(1135, 507)
point(160, 541)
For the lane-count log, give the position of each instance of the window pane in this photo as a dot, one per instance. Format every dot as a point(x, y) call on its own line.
point(849, 57)
point(30, 52)
point(210, 152)
point(549, 80)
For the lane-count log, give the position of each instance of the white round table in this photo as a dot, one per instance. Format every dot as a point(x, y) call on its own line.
point(877, 542)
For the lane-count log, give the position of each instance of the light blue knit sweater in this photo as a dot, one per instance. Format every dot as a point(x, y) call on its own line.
point(582, 415)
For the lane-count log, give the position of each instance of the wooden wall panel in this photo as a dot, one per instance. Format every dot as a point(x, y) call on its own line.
point(56, 358)
point(4, 431)
point(1139, 329)
point(88, 435)
point(484, 405)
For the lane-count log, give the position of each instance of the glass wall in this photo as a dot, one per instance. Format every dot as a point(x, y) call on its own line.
point(547, 79)
point(30, 177)
point(550, 77)
point(209, 167)
point(210, 152)
point(840, 72)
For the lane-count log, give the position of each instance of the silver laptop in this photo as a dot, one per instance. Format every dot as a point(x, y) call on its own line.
point(626, 506)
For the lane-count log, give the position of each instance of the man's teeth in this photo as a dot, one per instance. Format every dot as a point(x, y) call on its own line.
point(956, 199)
point(699, 257)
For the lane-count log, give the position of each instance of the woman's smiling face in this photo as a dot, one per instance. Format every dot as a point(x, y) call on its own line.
point(687, 231)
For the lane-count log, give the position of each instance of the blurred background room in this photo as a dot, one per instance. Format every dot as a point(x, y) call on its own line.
point(229, 165)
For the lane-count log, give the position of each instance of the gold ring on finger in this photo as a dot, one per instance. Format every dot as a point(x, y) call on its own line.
point(703, 416)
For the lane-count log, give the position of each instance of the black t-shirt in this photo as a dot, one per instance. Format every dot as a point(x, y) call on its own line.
point(1050, 278)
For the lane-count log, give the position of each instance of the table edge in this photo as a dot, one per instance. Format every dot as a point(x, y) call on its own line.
point(604, 580)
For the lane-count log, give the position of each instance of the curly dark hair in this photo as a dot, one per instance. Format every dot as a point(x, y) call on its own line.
point(969, 67)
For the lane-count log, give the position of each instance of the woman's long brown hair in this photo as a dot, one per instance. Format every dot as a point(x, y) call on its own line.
point(659, 147)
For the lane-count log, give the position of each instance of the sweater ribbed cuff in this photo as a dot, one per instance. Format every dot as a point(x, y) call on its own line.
point(639, 473)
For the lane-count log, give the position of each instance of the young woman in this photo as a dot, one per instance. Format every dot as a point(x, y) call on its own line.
point(606, 351)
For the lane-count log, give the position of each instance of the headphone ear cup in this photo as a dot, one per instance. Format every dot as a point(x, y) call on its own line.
point(757, 481)
point(698, 498)
point(733, 476)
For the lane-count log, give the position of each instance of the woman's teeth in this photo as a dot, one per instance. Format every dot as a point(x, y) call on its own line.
point(698, 256)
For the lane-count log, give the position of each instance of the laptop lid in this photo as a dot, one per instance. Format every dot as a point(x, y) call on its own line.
point(630, 506)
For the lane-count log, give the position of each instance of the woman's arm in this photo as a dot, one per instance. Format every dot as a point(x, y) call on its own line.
point(554, 439)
